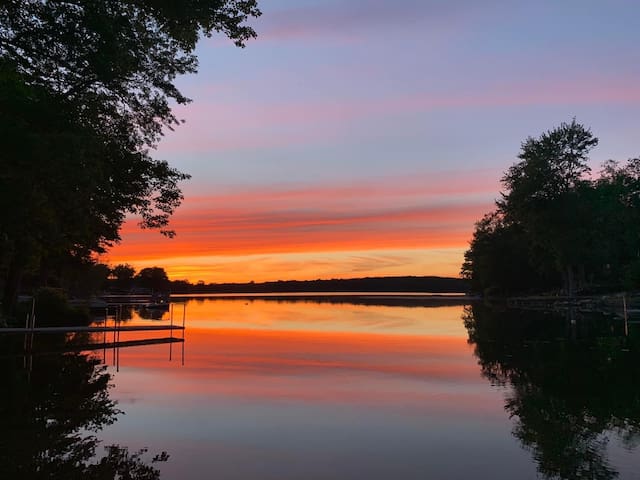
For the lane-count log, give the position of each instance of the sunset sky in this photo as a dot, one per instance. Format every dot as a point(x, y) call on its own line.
point(365, 137)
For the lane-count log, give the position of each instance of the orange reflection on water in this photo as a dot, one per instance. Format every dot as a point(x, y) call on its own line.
point(316, 316)
point(329, 387)
point(264, 350)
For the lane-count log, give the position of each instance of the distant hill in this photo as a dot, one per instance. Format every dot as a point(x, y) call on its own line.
point(369, 284)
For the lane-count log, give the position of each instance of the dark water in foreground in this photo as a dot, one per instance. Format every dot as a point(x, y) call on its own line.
point(319, 390)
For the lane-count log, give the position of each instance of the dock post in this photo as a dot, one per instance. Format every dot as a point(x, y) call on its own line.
point(624, 312)
point(26, 327)
point(33, 325)
point(171, 319)
point(182, 363)
point(33, 312)
point(184, 316)
point(118, 354)
point(115, 326)
point(170, 331)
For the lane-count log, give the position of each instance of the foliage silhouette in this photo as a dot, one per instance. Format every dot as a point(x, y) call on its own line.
point(573, 385)
point(554, 226)
point(368, 284)
point(50, 415)
point(85, 92)
point(153, 278)
point(123, 276)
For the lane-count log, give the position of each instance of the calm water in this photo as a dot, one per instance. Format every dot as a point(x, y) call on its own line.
point(333, 390)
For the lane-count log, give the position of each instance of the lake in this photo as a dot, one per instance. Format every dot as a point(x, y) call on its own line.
point(374, 387)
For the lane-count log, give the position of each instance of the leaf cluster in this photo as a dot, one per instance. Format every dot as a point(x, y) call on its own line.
point(555, 226)
point(116, 61)
point(86, 90)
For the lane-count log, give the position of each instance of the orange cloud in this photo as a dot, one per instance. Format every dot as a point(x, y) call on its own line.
point(240, 233)
point(226, 231)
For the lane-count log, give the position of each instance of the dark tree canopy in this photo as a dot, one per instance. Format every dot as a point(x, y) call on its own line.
point(153, 278)
point(551, 165)
point(555, 226)
point(86, 88)
point(122, 275)
point(108, 68)
point(116, 60)
point(498, 260)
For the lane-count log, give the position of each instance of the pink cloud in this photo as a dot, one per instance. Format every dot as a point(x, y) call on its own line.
point(251, 125)
point(381, 191)
point(346, 20)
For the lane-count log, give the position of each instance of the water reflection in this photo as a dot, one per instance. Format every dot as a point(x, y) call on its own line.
point(322, 315)
point(51, 409)
point(575, 385)
point(283, 389)
point(302, 389)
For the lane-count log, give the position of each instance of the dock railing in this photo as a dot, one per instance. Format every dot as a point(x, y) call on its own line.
point(113, 313)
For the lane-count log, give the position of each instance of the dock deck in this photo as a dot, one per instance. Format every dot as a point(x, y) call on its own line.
point(84, 329)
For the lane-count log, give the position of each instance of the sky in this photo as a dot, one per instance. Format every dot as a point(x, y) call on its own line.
point(365, 137)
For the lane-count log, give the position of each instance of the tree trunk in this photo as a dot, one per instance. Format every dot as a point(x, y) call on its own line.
point(11, 286)
point(569, 281)
point(582, 278)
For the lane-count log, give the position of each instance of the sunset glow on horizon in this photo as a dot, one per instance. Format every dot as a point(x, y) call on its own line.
point(407, 227)
point(365, 138)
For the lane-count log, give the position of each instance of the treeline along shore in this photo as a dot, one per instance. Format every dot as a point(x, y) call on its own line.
point(420, 284)
point(87, 91)
point(557, 228)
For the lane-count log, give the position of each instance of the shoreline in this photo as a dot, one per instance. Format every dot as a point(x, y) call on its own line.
point(409, 299)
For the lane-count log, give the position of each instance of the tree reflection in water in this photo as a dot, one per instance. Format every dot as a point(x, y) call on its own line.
point(50, 414)
point(574, 384)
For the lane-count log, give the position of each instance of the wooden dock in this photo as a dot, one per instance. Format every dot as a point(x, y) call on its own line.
point(30, 331)
point(82, 329)
point(105, 346)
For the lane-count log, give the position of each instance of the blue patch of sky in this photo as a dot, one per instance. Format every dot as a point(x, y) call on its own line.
point(398, 49)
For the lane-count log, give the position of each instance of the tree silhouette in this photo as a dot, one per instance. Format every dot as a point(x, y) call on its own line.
point(85, 92)
point(555, 226)
point(50, 415)
point(153, 278)
point(573, 385)
point(123, 275)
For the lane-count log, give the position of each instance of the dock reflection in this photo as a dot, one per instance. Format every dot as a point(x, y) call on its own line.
point(51, 411)
point(108, 334)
